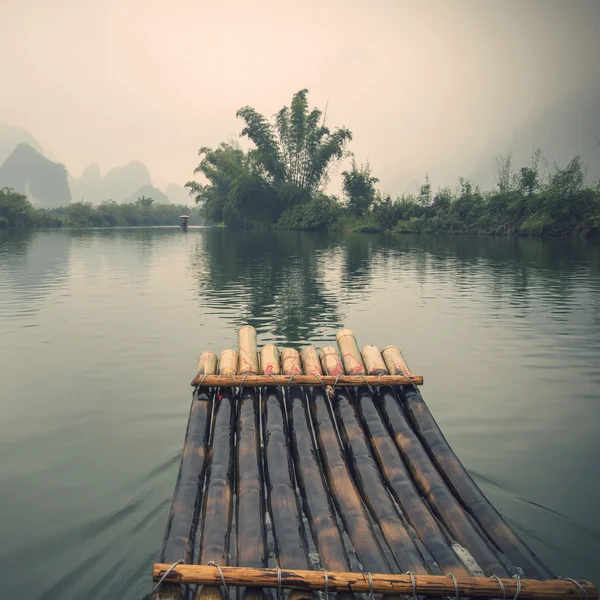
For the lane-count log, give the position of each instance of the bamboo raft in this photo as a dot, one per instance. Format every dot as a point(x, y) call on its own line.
point(324, 471)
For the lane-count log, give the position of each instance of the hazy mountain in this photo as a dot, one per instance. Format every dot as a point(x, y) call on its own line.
point(565, 131)
point(177, 194)
point(150, 192)
point(122, 182)
point(29, 172)
point(11, 136)
point(88, 188)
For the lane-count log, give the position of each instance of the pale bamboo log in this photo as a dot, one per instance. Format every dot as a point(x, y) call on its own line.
point(248, 350)
point(395, 361)
point(349, 352)
point(298, 380)
point(290, 362)
point(331, 361)
point(374, 363)
point(269, 360)
point(425, 585)
point(207, 364)
point(311, 365)
point(228, 363)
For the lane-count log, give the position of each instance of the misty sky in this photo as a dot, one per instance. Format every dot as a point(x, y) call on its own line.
point(425, 86)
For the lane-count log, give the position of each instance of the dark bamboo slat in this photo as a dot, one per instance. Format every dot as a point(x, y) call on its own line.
point(403, 489)
point(467, 490)
point(217, 507)
point(426, 585)
point(372, 488)
point(284, 507)
point(249, 380)
point(250, 509)
point(342, 487)
point(291, 546)
point(433, 487)
point(185, 506)
point(313, 488)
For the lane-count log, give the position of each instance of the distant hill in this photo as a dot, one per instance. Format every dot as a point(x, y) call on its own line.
point(11, 136)
point(29, 172)
point(563, 132)
point(122, 182)
point(177, 194)
point(150, 192)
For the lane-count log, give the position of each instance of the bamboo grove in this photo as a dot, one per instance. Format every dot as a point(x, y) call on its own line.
point(281, 182)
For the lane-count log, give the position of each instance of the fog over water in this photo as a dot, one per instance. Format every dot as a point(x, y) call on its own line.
point(426, 87)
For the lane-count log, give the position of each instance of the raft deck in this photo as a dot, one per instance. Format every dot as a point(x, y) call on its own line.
point(325, 471)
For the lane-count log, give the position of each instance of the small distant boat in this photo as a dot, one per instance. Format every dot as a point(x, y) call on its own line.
point(184, 221)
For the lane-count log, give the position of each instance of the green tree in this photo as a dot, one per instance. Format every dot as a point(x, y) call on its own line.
point(359, 188)
point(144, 201)
point(15, 209)
point(298, 149)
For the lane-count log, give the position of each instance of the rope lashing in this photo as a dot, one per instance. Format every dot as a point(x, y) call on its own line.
point(212, 563)
point(368, 384)
point(580, 587)
point(518, 579)
point(274, 380)
point(501, 584)
point(164, 576)
point(414, 584)
point(371, 596)
point(278, 583)
point(326, 583)
point(451, 575)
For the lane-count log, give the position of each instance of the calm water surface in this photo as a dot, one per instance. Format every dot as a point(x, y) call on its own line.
point(100, 332)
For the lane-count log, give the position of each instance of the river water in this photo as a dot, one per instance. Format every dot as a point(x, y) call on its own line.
point(100, 332)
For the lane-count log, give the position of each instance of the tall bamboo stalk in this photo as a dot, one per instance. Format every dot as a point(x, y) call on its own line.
point(461, 482)
point(187, 496)
point(218, 506)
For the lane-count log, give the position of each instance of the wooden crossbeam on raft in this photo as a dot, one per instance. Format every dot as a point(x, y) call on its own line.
point(425, 585)
point(298, 380)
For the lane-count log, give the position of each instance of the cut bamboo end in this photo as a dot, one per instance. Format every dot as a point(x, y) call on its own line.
point(350, 353)
point(311, 365)
point(269, 360)
point(425, 585)
point(290, 362)
point(228, 363)
point(395, 361)
point(292, 380)
point(248, 350)
point(374, 363)
point(207, 365)
point(331, 361)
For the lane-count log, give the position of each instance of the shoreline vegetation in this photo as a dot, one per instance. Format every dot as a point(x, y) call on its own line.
point(279, 183)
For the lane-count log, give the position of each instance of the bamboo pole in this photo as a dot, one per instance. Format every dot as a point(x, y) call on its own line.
point(398, 478)
point(228, 363)
point(394, 361)
point(342, 488)
point(248, 350)
point(331, 362)
point(250, 509)
point(291, 546)
point(187, 496)
point(425, 585)
point(306, 380)
point(269, 360)
point(461, 483)
point(366, 473)
point(217, 510)
point(316, 498)
point(290, 362)
point(433, 487)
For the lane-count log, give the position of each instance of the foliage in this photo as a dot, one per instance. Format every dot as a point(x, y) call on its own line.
point(321, 213)
point(16, 210)
point(287, 167)
point(359, 187)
